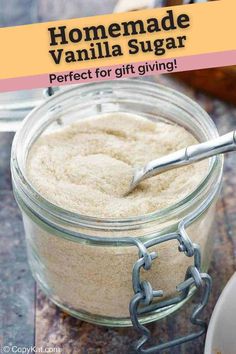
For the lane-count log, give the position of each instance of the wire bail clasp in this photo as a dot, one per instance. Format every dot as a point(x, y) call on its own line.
point(143, 301)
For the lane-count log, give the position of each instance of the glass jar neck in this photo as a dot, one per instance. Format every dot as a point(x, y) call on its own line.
point(132, 96)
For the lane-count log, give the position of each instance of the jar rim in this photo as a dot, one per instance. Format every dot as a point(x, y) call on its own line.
point(20, 179)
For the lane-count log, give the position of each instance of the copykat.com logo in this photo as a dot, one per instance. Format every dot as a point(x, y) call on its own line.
point(28, 350)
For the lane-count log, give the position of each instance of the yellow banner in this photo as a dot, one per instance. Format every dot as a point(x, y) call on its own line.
point(114, 39)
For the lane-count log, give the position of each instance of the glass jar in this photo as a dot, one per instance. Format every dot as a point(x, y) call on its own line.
point(84, 264)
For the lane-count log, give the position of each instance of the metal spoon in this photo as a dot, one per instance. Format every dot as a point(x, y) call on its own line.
point(184, 157)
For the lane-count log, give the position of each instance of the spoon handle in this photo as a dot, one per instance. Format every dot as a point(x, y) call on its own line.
point(186, 156)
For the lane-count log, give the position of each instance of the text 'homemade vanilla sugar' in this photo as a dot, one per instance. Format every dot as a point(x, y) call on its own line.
point(87, 167)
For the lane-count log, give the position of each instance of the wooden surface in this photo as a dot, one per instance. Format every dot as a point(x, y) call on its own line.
point(26, 316)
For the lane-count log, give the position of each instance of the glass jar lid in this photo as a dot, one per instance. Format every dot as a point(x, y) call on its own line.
point(14, 106)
